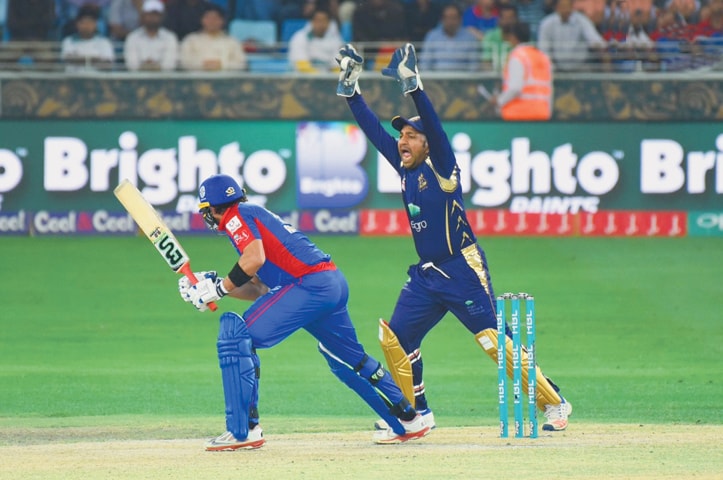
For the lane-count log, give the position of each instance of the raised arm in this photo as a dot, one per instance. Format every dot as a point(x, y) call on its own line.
point(403, 68)
point(350, 63)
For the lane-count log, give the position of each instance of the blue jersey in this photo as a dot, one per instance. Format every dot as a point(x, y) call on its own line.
point(431, 192)
point(289, 253)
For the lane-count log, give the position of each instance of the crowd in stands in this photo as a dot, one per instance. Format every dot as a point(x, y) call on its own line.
point(462, 35)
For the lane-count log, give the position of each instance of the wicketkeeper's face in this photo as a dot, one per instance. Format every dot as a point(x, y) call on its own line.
point(412, 147)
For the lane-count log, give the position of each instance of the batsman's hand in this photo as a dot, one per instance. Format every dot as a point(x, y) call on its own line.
point(403, 68)
point(207, 290)
point(184, 284)
point(351, 65)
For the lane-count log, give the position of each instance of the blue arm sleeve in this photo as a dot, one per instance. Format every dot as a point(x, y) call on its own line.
point(372, 128)
point(440, 151)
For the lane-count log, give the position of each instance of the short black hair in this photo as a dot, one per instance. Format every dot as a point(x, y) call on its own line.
point(520, 30)
point(454, 6)
point(508, 6)
point(212, 7)
point(88, 10)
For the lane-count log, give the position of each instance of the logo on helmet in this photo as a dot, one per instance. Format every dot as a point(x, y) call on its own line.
point(230, 192)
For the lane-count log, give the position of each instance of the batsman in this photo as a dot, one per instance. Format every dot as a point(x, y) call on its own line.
point(452, 274)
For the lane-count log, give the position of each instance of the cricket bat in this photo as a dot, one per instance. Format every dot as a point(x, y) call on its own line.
point(156, 230)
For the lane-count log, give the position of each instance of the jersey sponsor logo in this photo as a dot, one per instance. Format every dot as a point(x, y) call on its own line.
point(414, 210)
point(240, 237)
point(234, 224)
point(418, 226)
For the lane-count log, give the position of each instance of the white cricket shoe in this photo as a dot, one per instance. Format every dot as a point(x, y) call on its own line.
point(227, 441)
point(556, 416)
point(414, 428)
point(426, 414)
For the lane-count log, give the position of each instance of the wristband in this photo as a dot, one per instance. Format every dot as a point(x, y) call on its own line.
point(220, 289)
point(237, 276)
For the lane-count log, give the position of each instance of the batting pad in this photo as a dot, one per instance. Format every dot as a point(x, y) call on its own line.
point(238, 372)
point(363, 388)
point(397, 361)
point(546, 394)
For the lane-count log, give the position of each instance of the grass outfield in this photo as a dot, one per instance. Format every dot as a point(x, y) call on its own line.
point(96, 345)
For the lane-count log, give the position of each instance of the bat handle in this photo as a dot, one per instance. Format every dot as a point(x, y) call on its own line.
point(186, 270)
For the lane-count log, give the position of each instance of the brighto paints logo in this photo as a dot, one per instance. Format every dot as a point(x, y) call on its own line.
point(167, 173)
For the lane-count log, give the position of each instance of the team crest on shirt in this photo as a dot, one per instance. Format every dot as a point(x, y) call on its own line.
point(234, 224)
point(422, 182)
point(240, 237)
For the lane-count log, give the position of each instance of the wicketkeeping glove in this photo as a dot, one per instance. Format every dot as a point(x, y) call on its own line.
point(351, 65)
point(403, 68)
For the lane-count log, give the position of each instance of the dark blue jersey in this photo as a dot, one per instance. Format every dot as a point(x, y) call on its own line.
point(431, 192)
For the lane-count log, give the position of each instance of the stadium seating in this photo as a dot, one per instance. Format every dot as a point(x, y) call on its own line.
point(261, 31)
point(4, 19)
point(290, 26)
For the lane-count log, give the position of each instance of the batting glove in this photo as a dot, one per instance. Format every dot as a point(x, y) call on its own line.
point(403, 68)
point(206, 291)
point(351, 65)
point(184, 284)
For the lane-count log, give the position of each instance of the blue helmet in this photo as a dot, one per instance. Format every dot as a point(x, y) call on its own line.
point(220, 190)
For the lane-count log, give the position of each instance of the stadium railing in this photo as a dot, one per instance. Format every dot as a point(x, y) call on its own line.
point(662, 57)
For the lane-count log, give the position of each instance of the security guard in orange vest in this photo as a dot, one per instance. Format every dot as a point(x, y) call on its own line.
point(527, 79)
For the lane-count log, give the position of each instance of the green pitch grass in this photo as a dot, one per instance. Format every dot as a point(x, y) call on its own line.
point(93, 327)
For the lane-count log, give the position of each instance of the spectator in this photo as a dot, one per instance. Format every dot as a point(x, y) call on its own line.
point(567, 37)
point(712, 25)
point(211, 48)
point(612, 20)
point(29, 20)
point(450, 47)
point(68, 11)
point(672, 42)
point(527, 79)
point(346, 10)
point(687, 11)
point(494, 46)
point(184, 16)
point(123, 17)
point(708, 34)
point(422, 16)
point(480, 17)
point(379, 21)
point(532, 12)
point(313, 48)
point(87, 50)
point(151, 47)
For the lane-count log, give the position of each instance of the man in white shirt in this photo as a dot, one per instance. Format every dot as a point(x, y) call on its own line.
point(211, 48)
point(151, 47)
point(87, 50)
point(450, 47)
point(312, 48)
point(567, 37)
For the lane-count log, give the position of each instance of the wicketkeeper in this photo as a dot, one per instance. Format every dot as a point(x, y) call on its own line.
point(452, 274)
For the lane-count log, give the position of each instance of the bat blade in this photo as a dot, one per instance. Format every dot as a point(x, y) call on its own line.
point(156, 230)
